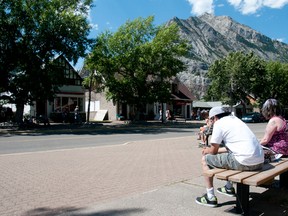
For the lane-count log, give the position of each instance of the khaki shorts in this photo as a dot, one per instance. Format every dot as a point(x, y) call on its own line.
point(228, 161)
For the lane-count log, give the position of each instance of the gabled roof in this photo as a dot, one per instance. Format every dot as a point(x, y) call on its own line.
point(71, 75)
point(181, 92)
point(185, 91)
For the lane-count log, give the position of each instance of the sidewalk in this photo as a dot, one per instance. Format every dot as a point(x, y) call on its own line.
point(152, 178)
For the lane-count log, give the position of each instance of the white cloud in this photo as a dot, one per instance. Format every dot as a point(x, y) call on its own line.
point(235, 3)
point(244, 6)
point(275, 3)
point(252, 6)
point(94, 26)
point(201, 6)
point(280, 39)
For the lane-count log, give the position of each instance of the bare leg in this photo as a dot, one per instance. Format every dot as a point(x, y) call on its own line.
point(208, 180)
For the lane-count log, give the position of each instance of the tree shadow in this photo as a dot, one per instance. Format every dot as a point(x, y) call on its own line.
point(116, 212)
point(72, 211)
point(101, 129)
point(46, 211)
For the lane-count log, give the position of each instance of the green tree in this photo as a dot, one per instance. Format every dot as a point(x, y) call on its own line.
point(277, 82)
point(32, 34)
point(235, 77)
point(138, 61)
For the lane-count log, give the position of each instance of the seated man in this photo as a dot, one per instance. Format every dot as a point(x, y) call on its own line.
point(242, 151)
point(208, 133)
point(204, 133)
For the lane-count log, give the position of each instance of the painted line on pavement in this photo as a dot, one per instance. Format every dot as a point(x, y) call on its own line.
point(85, 148)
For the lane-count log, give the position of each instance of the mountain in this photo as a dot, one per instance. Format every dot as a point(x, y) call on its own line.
point(214, 37)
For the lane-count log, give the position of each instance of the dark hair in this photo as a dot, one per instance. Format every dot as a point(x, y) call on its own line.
point(270, 108)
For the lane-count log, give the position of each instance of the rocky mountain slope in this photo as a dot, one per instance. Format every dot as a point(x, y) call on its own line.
point(213, 37)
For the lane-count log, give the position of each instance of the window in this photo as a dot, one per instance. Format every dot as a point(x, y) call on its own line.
point(57, 105)
point(67, 104)
point(71, 76)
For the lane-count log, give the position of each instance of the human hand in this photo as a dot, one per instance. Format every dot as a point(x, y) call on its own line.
point(204, 151)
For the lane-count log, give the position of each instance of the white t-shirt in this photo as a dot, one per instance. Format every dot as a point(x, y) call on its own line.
point(239, 139)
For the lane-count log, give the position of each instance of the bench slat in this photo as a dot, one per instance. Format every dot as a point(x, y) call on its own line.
point(239, 177)
point(266, 175)
point(226, 174)
point(212, 172)
point(246, 174)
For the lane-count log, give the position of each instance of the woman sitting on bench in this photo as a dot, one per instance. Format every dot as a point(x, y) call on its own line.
point(275, 137)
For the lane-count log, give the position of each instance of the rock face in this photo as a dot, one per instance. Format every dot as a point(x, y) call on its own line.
point(214, 37)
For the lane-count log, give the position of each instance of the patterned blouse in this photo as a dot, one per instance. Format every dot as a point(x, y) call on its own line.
point(279, 140)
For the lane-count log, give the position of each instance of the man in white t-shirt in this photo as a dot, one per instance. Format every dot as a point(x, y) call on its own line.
point(242, 151)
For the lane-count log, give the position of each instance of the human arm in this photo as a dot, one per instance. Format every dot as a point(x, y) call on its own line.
point(222, 150)
point(269, 131)
point(213, 149)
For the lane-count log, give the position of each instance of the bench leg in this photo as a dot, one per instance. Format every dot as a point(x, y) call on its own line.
point(242, 199)
point(284, 180)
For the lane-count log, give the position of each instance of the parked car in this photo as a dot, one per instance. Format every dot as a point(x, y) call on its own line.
point(252, 117)
point(262, 118)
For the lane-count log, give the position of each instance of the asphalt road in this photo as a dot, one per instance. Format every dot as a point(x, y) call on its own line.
point(23, 143)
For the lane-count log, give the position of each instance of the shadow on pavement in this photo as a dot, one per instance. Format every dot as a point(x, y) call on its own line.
point(99, 128)
point(46, 211)
point(274, 202)
point(71, 211)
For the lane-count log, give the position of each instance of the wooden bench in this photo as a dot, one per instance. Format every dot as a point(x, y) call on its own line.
point(245, 179)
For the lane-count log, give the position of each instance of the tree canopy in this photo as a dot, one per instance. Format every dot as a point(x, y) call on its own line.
point(238, 75)
point(138, 61)
point(276, 82)
point(32, 34)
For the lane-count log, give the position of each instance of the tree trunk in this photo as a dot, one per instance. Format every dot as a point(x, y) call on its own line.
point(19, 113)
point(89, 101)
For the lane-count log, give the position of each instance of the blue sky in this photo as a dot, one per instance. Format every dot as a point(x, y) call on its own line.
point(268, 17)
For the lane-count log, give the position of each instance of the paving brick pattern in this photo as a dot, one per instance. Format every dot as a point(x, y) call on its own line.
point(78, 178)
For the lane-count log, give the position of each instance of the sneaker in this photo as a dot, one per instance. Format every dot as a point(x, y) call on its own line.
point(206, 202)
point(228, 192)
point(200, 145)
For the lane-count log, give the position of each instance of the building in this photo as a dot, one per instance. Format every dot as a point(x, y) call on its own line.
point(180, 105)
point(239, 109)
point(70, 95)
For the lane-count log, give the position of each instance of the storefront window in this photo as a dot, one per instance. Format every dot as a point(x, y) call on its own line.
point(65, 104)
point(57, 104)
point(62, 104)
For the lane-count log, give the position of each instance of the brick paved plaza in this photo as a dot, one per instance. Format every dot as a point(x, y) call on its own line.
point(159, 177)
point(77, 178)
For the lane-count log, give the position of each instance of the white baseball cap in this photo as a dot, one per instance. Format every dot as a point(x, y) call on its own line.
point(216, 111)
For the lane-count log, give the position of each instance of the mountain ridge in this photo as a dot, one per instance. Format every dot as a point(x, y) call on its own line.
point(214, 37)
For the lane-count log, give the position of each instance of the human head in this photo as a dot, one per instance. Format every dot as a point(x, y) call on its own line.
point(205, 114)
point(270, 108)
point(218, 112)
